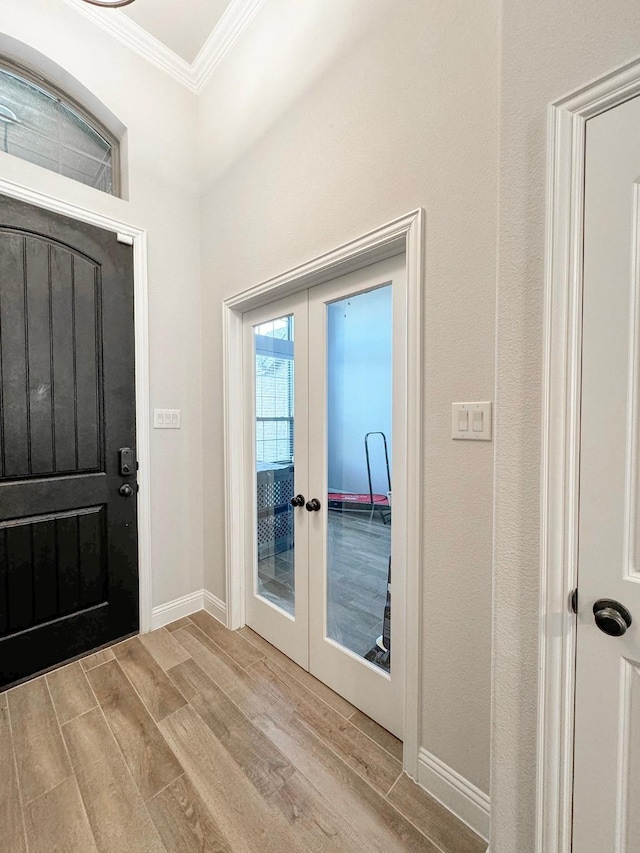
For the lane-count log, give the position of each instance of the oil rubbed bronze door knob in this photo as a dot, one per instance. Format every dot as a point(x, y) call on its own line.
point(313, 505)
point(125, 490)
point(298, 500)
point(611, 617)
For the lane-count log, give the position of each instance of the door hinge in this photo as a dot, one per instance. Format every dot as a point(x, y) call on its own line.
point(573, 601)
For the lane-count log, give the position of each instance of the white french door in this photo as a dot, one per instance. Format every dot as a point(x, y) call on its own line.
point(325, 439)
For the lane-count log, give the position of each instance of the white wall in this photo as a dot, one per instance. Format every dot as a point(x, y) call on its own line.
point(549, 48)
point(332, 117)
point(160, 117)
point(329, 118)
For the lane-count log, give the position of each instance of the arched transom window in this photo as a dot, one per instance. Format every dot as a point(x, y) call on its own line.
point(40, 124)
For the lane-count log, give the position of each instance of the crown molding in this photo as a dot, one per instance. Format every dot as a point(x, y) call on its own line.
point(195, 76)
point(235, 20)
point(136, 38)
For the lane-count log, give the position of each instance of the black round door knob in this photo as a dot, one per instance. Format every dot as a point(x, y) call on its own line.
point(611, 617)
point(125, 490)
point(298, 500)
point(313, 505)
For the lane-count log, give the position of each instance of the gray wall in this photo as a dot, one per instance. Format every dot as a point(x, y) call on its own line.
point(548, 49)
point(330, 118)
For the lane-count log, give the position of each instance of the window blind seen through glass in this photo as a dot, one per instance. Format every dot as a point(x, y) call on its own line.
point(38, 126)
point(274, 391)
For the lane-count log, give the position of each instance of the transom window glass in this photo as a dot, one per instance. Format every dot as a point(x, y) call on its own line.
point(37, 125)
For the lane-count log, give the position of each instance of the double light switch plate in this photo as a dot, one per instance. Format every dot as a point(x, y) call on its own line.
point(471, 421)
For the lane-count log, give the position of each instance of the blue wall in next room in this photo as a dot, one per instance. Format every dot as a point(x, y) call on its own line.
point(359, 356)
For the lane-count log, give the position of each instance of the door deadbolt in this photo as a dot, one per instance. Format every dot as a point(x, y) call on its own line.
point(127, 462)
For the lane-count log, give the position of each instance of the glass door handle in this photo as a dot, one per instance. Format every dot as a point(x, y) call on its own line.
point(313, 505)
point(298, 500)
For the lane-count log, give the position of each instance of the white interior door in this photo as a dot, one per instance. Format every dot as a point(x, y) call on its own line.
point(607, 731)
point(326, 423)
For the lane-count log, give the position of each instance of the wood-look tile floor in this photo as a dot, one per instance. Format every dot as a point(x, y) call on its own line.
point(359, 545)
point(194, 738)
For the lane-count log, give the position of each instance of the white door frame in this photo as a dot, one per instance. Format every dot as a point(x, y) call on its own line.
point(403, 235)
point(561, 443)
point(137, 237)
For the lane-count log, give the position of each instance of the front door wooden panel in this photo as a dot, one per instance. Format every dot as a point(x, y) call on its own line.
point(68, 539)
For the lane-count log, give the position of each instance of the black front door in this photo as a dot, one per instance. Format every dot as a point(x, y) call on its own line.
point(68, 534)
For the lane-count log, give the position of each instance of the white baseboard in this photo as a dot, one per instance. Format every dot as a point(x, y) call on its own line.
point(186, 605)
point(455, 792)
point(215, 606)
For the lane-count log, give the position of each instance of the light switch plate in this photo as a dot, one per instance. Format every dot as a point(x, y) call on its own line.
point(166, 418)
point(471, 421)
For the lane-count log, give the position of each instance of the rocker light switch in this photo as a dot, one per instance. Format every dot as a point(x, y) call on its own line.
point(471, 421)
point(166, 418)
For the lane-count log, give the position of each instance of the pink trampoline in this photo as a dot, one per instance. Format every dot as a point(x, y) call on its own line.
point(369, 500)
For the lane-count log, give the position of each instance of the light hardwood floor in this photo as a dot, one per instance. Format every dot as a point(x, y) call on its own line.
point(194, 738)
point(359, 545)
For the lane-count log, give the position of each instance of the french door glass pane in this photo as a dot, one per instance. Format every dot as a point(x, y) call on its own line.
point(274, 407)
point(359, 412)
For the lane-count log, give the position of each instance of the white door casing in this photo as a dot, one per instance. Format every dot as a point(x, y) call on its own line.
point(561, 444)
point(405, 234)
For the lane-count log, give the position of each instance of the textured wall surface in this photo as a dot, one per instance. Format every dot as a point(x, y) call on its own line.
point(548, 49)
point(160, 117)
point(330, 118)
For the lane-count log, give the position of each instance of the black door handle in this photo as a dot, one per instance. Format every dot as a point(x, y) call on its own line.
point(611, 617)
point(313, 505)
point(125, 490)
point(298, 500)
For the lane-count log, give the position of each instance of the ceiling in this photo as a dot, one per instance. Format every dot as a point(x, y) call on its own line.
point(182, 26)
point(187, 45)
